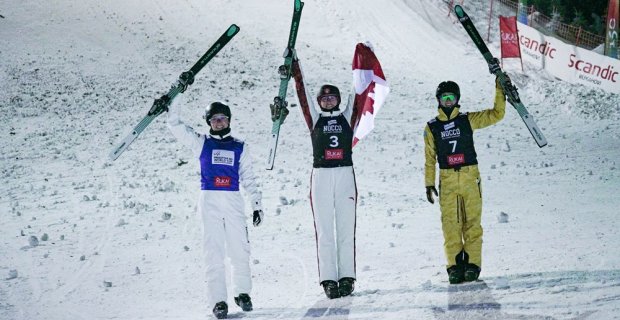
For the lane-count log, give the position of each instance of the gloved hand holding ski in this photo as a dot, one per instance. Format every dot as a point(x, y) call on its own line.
point(279, 109)
point(185, 80)
point(509, 89)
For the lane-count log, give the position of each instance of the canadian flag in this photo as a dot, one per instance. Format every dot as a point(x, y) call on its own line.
point(371, 90)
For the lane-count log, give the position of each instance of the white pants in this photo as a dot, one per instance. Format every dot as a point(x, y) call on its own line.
point(225, 230)
point(333, 195)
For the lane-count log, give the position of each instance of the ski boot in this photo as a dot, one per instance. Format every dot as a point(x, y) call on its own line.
point(244, 301)
point(472, 272)
point(331, 289)
point(220, 310)
point(456, 274)
point(346, 286)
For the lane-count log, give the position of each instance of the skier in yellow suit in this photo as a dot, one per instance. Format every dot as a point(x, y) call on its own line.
point(448, 140)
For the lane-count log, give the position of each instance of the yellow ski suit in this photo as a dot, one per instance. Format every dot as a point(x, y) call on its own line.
point(460, 193)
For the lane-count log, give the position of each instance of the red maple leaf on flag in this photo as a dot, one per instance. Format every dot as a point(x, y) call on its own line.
point(366, 73)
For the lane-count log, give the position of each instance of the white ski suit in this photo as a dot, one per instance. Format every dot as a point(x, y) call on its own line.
point(225, 163)
point(333, 192)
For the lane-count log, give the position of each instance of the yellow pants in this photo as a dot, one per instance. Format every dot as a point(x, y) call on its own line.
point(460, 199)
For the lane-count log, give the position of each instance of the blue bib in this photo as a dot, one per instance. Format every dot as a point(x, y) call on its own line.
point(219, 164)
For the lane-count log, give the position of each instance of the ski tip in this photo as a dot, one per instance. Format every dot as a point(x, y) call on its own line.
point(233, 30)
point(298, 5)
point(458, 10)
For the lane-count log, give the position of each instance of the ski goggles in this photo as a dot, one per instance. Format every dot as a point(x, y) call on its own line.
point(329, 98)
point(447, 96)
point(217, 119)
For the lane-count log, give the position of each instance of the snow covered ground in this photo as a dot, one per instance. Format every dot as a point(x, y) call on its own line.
point(122, 240)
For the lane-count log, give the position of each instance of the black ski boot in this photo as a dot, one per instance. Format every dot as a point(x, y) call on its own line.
point(331, 289)
point(346, 286)
point(456, 274)
point(220, 310)
point(472, 272)
point(244, 301)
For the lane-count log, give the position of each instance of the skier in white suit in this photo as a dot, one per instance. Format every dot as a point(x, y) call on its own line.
point(225, 163)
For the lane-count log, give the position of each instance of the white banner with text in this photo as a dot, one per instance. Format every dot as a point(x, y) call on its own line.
point(568, 62)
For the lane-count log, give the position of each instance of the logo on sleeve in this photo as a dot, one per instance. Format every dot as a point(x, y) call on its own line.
point(222, 182)
point(334, 154)
point(223, 157)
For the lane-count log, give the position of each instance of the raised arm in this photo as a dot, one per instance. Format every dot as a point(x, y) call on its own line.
point(351, 111)
point(485, 118)
point(308, 110)
point(184, 133)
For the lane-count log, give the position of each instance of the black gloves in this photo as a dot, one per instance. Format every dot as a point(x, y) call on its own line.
point(257, 217)
point(429, 194)
point(494, 66)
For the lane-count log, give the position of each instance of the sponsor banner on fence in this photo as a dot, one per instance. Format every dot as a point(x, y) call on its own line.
point(509, 37)
point(567, 62)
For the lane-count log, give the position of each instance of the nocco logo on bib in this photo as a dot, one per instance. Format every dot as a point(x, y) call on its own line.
point(450, 132)
point(332, 127)
point(224, 157)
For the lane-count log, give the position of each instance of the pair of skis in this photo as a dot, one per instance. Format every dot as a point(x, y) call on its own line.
point(279, 109)
point(509, 89)
point(185, 79)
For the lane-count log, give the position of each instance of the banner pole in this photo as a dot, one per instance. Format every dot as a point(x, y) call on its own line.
point(490, 17)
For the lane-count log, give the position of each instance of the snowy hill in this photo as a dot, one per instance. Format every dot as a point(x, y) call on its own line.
point(122, 240)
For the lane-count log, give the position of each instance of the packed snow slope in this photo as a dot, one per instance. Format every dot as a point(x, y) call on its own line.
point(122, 240)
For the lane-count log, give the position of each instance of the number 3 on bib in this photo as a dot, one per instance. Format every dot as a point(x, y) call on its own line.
point(334, 142)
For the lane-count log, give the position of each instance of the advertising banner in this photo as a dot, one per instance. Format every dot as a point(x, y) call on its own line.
point(568, 62)
point(509, 37)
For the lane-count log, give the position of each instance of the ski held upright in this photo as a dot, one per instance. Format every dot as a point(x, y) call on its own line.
point(509, 89)
point(161, 104)
point(279, 109)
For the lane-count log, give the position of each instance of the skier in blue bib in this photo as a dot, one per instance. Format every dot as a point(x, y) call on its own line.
point(225, 163)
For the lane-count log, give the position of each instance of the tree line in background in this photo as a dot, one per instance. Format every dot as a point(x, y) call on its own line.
point(589, 15)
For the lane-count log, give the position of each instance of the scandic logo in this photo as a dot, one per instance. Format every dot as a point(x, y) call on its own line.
point(605, 73)
point(545, 48)
point(222, 181)
point(334, 154)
